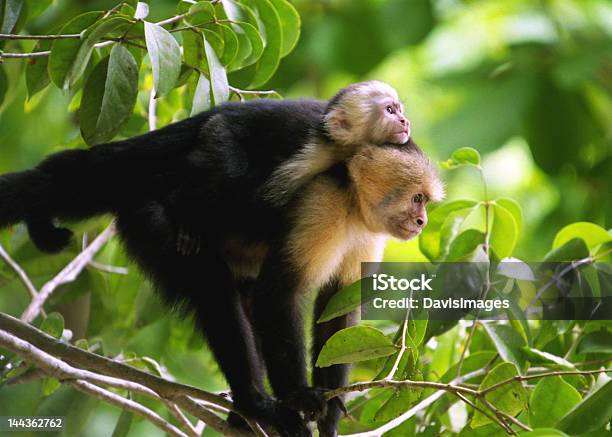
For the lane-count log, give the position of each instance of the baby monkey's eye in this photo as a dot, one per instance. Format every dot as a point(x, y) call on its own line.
point(417, 198)
point(390, 109)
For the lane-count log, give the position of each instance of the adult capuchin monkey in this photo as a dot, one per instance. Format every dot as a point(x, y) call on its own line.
point(254, 249)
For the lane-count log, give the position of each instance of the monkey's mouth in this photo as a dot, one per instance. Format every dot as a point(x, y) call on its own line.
point(408, 231)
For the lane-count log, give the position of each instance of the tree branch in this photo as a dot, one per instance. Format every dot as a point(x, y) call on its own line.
point(81, 358)
point(23, 277)
point(128, 405)
point(24, 37)
point(68, 274)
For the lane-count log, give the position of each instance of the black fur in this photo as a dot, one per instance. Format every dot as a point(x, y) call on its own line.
point(201, 174)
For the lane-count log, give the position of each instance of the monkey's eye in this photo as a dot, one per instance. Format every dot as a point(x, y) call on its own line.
point(417, 198)
point(390, 109)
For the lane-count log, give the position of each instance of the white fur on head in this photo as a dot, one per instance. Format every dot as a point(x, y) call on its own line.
point(351, 118)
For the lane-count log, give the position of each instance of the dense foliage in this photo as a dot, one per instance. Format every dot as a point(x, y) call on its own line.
point(526, 83)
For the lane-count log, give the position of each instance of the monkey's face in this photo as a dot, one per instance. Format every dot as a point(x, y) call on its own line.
point(408, 218)
point(388, 123)
point(393, 187)
point(368, 112)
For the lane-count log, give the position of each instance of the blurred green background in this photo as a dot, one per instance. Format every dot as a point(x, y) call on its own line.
point(527, 83)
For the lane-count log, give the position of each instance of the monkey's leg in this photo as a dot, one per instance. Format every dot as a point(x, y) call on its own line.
point(244, 287)
point(206, 284)
point(278, 323)
point(333, 376)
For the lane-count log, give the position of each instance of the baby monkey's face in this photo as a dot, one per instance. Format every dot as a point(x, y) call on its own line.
point(390, 124)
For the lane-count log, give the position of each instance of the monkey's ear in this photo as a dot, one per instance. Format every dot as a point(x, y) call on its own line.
point(338, 126)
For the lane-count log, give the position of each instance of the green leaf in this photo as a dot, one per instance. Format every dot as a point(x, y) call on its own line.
point(64, 51)
point(397, 404)
point(246, 27)
point(592, 413)
point(508, 343)
point(230, 45)
point(598, 342)
point(464, 244)
point(592, 234)
point(201, 96)
point(417, 330)
point(514, 208)
point(193, 49)
point(570, 251)
point(248, 41)
point(290, 25)
point(429, 240)
point(343, 302)
point(109, 96)
point(450, 228)
point(124, 423)
point(3, 84)
point(504, 232)
point(536, 356)
point(217, 74)
point(551, 400)
point(142, 11)
point(199, 13)
point(37, 7)
point(472, 362)
point(90, 37)
point(511, 398)
point(357, 343)
point(53, 325)
point(37, 76)
point(165, 55)
point(259, 73)
point(10, 14)
point(50, 386)
point(462, 156)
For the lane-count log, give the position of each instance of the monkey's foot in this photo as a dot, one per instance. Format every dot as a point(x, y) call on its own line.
point(269, 412)
point(310, 401)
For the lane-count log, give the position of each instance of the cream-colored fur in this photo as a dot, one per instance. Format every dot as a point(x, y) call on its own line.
point(352, 125)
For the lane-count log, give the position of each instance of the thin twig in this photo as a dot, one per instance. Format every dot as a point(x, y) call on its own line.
point(521, 378)
point(466, 346)
point(68, 274)
point(181, 418)
point(382, 383)
point(25, 37)
point(492, 418)
point(21, 274)
point(128, 405)
point(402, 350)
point(116, 270)
point(4, 55)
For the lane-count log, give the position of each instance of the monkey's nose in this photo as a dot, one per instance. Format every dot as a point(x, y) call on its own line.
point(420, 221)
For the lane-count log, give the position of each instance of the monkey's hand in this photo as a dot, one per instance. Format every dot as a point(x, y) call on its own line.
point(187, 243)
point(310, 401)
